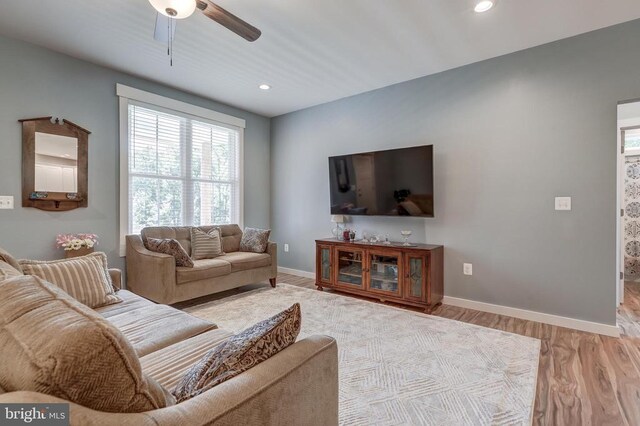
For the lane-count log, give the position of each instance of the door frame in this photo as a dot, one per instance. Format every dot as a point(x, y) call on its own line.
point(621, 160)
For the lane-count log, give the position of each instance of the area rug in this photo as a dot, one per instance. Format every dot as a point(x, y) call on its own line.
point(399, 367)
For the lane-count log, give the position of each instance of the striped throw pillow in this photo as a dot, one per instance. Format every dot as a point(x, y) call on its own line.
point(84, 278)
point(206, 245)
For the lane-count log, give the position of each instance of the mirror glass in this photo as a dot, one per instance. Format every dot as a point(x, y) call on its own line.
point(56, 163)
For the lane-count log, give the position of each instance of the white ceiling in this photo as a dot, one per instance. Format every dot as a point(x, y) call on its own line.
point(311, 51)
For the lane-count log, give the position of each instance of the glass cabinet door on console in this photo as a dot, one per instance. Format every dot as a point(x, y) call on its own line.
point(384, 272)
point(350, 267)
point(415, 277)
point(324, 264)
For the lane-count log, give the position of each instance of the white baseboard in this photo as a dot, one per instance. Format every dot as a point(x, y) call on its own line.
point(296, 272)
point(576, 324)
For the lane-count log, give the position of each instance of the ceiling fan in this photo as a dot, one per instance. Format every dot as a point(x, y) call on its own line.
point(169, 10)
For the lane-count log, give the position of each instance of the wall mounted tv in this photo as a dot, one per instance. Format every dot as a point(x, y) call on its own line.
point(395, 182)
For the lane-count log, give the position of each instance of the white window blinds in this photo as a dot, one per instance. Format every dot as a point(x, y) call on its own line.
point(181, 170)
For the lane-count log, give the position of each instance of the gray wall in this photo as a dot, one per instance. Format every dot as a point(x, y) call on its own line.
point(36, 82)
point(509, 135)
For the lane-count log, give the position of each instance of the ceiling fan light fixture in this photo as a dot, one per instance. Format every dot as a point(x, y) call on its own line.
point(176, 9)
point(483, 6)
point(264, 86)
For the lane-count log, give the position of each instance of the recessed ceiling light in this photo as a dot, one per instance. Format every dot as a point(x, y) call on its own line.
point(483, 6)
point(264, 87)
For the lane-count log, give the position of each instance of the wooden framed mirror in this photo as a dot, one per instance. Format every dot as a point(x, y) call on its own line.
point(54, 164)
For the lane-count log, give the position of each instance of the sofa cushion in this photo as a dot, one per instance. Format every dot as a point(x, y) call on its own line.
point(8, 271)
point(169, 246)
point(255, 240)
point(231, 235)
point(240, 352)
point(241, 261)
point(205, 245)
point(203, 269)
point(5, 256)
point(154, 327)
point(168, 365)
point(55, 345)
point(84, 278)
point(130, 301)
point(180, 233)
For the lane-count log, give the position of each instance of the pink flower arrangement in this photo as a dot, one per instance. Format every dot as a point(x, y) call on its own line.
point(77, 241)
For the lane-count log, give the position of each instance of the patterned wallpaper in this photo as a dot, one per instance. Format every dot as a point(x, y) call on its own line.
point(632, 218)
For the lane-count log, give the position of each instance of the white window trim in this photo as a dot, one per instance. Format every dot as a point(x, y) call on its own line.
point(126, 94)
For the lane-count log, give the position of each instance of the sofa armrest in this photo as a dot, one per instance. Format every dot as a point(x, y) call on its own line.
point(116, 277)
point(298, 386)
point(272, 250)
point(150, 274)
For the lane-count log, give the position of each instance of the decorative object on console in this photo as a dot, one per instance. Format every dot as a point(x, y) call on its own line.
point(255, 240)
point(76, 245)
point(337, 219)
point(169, 246)
point(85, 278)
point(406, 235)
point(206, 245)
point(346, 234)
point(241, 352)
point(352, 235)
point(410, 275)
point(54, 164)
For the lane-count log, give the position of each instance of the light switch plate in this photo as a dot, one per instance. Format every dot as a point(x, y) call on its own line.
point(563, 203)
point(467, 268)
point(6, 202)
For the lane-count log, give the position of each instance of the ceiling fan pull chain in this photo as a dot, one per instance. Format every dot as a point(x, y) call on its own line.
point(171, 24)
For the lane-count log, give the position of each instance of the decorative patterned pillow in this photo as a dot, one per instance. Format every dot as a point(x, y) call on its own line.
point(255, 240)
point(206, 245)
point(169, 246)
point(55, 345)
point(240, 352)
point(84, 278)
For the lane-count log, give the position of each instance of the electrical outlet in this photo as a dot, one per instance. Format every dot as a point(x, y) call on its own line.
point(467, 268)
point(563, 203)
point(6, 202)
point(286, 248)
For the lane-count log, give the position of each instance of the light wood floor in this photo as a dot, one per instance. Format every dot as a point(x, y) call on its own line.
point(583, 378)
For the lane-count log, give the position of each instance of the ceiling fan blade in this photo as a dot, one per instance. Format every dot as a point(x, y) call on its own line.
point(161, 32)
point(228, 20)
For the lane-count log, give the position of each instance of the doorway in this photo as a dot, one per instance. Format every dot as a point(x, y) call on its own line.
point(628, 223)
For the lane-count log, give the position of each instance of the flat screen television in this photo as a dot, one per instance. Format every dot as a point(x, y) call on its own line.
point(395, 182)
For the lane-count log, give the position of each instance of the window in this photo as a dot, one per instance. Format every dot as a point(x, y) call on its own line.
point(632, 139)
point(179, 169)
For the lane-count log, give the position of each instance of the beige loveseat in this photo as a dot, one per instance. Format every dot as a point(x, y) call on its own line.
point(298, 386)
point(155, 276)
